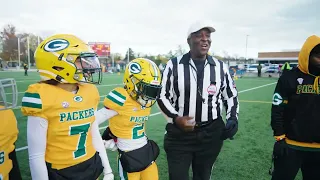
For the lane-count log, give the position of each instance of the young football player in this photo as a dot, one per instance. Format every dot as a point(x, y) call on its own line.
point(128, 109)
point(64, 141)
point(9, 167)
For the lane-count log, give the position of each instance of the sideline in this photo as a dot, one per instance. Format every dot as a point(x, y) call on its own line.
point(249, 101)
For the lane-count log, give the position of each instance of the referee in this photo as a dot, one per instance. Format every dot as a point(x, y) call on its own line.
point(194, 86)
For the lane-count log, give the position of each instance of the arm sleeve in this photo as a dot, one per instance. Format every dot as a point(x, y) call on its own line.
point(279, 103)
point(104, 114)
point(99, 146)
point(230, 95)
point(37, 139)
point(166, 94)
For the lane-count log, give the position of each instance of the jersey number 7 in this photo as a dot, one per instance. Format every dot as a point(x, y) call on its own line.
point(82, 131)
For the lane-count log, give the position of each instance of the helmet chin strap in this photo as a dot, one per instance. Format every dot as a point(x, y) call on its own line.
point(143, 102)
point(140, 100)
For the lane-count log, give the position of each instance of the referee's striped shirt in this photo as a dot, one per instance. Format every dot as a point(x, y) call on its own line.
point(179, 92)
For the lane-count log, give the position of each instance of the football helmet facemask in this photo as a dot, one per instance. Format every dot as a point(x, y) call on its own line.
point(142, 81)
point(8, 94)
point(67, 59)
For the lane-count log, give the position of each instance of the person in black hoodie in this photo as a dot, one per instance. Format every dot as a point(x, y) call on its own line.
point(295, 117)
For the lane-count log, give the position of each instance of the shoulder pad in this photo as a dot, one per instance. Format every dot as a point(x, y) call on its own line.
point(31, 101)
point(94, 92)
point(8, 124)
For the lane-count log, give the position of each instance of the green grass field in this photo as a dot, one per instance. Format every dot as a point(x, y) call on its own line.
point(247, 157)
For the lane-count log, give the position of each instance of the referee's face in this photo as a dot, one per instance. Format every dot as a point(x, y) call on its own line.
point(200, 42)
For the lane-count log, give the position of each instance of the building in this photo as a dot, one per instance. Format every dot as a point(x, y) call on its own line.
point(278, 57)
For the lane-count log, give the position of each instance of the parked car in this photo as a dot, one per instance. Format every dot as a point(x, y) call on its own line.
point(293, 65)
point(253, 68)
point(272, 69)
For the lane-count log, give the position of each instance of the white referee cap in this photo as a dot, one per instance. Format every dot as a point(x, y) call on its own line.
point(200, 25)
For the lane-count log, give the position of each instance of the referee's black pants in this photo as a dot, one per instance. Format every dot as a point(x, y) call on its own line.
point(287, 167)
point(199, 148)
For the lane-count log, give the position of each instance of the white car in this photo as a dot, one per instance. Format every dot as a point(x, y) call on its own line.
point(253, 68)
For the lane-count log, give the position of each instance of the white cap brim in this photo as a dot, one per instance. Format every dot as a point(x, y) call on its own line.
point(200, 25)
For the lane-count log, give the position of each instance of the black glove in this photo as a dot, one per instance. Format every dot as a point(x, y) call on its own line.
point(107, 134)
point(280, 148)
point(230, 130)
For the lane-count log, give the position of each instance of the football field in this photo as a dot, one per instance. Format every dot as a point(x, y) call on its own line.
point(247, 157)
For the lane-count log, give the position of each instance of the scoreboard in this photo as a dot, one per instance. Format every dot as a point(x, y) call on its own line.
point(101, 48)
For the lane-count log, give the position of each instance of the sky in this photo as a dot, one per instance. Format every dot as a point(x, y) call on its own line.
point(158, 26)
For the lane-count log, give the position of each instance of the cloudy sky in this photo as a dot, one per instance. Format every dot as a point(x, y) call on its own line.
point(158, 26)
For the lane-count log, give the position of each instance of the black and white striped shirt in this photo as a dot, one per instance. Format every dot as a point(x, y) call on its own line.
point(180, 92)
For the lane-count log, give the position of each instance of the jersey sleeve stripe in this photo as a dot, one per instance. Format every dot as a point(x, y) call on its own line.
point(32, 95)
point(31, 105)
point(116, 93)
point(115, 99)
point(31, 102)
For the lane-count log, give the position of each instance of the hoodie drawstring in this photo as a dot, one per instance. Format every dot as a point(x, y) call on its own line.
point(316, 84)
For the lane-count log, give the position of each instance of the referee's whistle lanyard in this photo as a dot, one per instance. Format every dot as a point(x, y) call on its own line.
point(196, 79)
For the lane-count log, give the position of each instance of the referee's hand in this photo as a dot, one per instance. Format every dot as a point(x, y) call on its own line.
point(230, 130)
point(184, 123)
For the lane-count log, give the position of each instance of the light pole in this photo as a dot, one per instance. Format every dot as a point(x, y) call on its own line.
point(246, 47)
point(28, 41)
point(19, 64)
point(128, 55)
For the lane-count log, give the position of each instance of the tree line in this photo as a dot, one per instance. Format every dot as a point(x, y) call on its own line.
point(9, 40)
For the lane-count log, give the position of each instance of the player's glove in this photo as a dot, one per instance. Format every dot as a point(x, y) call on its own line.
point(107, 173)
point(108, 176)
point(230, 130)
point(107, 134)
point(280, 148)
point(110, 144)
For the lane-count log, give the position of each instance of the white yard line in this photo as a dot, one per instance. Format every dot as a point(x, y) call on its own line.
point(257, 87)
point(27, 80)
point(106, 85)
point(109, 85)
point(18, 80)
point(157, 113)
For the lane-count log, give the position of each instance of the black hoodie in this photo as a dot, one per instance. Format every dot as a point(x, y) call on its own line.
point(295, 112)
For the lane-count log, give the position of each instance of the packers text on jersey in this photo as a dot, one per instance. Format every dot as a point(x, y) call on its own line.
point(76, 115)
point(139, 119)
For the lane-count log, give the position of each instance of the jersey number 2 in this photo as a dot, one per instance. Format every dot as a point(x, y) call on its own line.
point(135, 131)
point(80, 130)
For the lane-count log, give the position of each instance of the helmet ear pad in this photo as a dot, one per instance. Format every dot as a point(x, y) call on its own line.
point(131, 87)
point(62, 70)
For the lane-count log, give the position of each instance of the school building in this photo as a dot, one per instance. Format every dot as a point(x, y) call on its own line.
point(278, 57)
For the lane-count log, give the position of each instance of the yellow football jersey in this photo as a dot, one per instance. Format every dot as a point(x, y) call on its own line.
point(130, 121)
point(8, 136)
point(69, 116)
